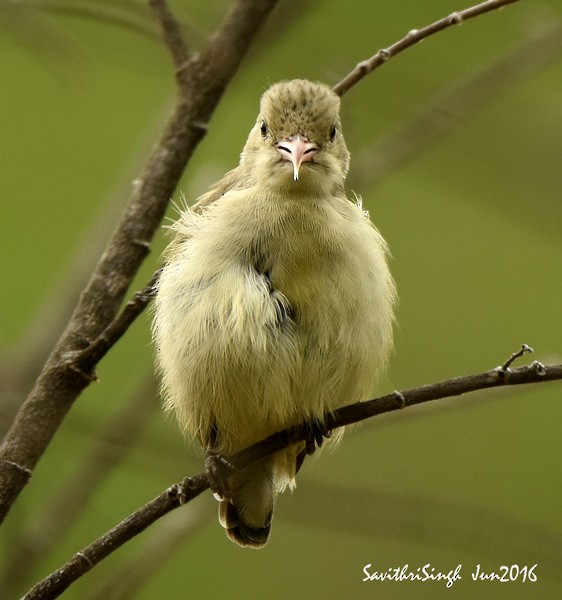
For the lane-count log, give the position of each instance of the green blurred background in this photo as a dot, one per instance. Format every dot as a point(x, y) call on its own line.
point(474, 222)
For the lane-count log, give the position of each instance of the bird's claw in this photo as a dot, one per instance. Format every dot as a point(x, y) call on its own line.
point(316, 434)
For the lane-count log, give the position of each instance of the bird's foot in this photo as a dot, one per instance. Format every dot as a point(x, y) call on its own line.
point(316, 434)
point(219, 474)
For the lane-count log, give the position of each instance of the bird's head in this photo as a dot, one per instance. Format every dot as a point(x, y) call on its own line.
point(296, 143)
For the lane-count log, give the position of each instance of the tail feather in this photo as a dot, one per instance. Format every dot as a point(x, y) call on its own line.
point(247, 514)
point(240, 532)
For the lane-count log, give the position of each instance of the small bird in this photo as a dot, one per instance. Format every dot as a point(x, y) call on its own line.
point(275, 302)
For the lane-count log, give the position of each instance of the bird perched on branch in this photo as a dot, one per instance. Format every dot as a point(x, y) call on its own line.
point(275, 303)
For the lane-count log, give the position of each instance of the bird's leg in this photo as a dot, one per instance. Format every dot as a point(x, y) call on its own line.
point(218, 469)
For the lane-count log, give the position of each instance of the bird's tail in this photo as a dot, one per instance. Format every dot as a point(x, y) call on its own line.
point(247, 515)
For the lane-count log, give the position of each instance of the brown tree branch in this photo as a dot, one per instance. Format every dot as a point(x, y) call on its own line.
point(202, 81)
point(413, 37)
point(354, 413)
point(181, 493)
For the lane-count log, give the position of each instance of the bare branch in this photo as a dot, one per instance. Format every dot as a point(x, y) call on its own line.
point(181, 493)
point(203, 81)
point(354, 413)
point(413, 37)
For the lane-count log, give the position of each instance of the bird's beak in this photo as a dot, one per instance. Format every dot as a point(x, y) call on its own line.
point(296, 149)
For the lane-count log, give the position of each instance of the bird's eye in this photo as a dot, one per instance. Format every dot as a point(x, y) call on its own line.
point(333, 133)
point(263, 129)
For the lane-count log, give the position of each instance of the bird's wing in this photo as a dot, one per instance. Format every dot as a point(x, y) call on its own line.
point(232, 180)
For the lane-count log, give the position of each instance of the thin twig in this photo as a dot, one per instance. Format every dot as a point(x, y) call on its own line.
point(515, 356)
point(85, 360)
point(182, 492)
point(413, 37)
point(354, 413)
point(171, 33)
point(202, 80)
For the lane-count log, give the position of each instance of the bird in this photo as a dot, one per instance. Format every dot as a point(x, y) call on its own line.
point(275, 303)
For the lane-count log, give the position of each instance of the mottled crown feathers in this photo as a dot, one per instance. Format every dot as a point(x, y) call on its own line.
point(300, 106)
